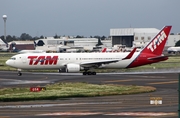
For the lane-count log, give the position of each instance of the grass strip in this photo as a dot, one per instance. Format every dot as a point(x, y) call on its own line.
point(67, 90)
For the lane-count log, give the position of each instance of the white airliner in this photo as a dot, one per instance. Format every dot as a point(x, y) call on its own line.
point(173, 50)
point(31, 51)
point(76, 62)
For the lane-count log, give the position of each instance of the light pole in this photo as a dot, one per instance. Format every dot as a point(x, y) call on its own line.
point(4, 18)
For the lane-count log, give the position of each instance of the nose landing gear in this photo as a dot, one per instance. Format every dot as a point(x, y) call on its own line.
point(19, 72)
point(89, 73)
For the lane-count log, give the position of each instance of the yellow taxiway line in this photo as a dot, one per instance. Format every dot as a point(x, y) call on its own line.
point(169, 82)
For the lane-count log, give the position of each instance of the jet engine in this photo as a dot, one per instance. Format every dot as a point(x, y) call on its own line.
point(70, 68)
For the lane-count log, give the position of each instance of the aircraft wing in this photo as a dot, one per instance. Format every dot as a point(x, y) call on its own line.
point(97, 63)
point(100, 62)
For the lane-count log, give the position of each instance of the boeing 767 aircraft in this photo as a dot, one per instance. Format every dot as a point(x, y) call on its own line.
point(76, 62)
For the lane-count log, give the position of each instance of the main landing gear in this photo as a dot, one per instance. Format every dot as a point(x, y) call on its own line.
point(19, 72)
point(89, 73)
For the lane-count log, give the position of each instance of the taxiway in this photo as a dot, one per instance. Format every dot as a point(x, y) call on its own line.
point(136, 105)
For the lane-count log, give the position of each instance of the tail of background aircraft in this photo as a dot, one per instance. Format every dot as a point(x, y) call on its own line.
point(3, 45)
point(1, 41)
point(104, 50)
point(156, 45)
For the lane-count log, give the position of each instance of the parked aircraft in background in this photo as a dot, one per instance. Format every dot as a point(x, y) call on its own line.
point(120, 48)
point(76, 62)
point(4, 47)
point(125, 49)
point(27, 51)
point(173, 50)
point(31, 51)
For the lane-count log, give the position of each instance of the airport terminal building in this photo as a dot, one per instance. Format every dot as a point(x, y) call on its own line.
point(132, 37)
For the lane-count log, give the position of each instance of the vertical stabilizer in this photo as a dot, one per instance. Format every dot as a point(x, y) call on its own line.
point(156, 45)
point(152, 52)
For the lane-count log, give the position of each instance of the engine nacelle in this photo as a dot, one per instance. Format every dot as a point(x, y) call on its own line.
point(70, 68)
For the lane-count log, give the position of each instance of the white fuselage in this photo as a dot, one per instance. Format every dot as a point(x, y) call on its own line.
point(23, 62)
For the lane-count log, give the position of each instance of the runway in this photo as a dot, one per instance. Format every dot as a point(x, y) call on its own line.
point(137, 105)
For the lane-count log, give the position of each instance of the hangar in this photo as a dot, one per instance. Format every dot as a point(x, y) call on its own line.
point(132, 37)
point(21, 45)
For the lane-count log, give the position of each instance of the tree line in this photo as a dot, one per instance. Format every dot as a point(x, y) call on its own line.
point(25, 36)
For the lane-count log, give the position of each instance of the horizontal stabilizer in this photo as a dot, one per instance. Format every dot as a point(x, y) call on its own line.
point(130, 54)
point(158, 58)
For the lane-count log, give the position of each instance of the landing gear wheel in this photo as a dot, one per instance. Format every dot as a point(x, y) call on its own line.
point(89, 73)
point(19, 73)
point(93, 73)
point(59, 70)
point(84, 73)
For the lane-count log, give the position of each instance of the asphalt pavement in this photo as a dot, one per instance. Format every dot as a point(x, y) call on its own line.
point(136, 105)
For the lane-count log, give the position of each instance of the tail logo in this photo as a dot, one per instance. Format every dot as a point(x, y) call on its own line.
point(157, 41)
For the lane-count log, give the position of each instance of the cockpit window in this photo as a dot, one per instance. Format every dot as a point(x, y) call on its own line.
point(13, 58)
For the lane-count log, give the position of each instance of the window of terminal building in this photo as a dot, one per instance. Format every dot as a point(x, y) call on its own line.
point(142, 38)
point(149, 38)
point(136, 38)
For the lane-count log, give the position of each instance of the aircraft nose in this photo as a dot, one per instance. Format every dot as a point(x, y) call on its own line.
point(8, 62)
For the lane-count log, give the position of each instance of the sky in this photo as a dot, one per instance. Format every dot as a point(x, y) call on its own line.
point(86, 17)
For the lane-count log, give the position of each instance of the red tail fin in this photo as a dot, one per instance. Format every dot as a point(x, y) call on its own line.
point(156, 45)
point(104, 50)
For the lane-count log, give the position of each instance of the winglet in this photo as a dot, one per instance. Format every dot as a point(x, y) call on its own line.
point(158, 58)
point(130, 54)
